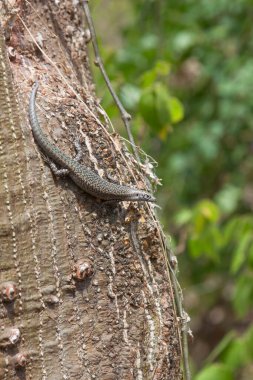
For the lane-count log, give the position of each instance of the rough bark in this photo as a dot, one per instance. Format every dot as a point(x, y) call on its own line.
point(92, 293)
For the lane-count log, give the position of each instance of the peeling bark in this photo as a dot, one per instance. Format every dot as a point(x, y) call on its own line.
point(86, 286)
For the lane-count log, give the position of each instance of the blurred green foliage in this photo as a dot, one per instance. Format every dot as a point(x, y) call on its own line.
point(184, 70)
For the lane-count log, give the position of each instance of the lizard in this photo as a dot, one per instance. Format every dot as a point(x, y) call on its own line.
point(85, 178)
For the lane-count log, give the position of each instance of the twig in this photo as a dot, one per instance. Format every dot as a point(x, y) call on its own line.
point(181, 313)
point(126, 117)
point(187, 372)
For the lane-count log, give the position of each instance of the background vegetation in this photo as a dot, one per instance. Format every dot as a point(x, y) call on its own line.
point(184, 69)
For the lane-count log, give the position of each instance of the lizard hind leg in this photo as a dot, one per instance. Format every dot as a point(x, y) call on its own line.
point(57, 172)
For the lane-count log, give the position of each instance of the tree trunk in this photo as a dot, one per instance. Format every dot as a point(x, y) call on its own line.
point(85, 288)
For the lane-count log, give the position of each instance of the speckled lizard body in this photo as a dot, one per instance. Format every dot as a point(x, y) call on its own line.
point(84, 177)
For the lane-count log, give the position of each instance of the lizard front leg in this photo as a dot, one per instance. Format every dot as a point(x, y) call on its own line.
point(78, 148)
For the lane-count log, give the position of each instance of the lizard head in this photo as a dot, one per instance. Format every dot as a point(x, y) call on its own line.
point(141, 196)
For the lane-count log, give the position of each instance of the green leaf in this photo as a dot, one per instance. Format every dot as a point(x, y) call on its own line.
point(205, 211)
point(148, 42)
point(148, 78)
point(209, 210)
point(239, 255)
point(231, 229)
point(243, 294)
point(161, 69)
point(236, 355)
point(182, 217)
point(228, 198)
point(159, 109)
point(195, 246)
point(130, 95)
point(176, 110)
point(226, 341)
point(250, 256)
point(248, 341)
point(148, 108)
point(215, 372)
point(184, 40)
point(162, 103)
point(205, 244)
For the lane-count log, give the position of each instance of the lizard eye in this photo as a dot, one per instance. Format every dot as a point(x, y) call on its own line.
point(147, 197)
